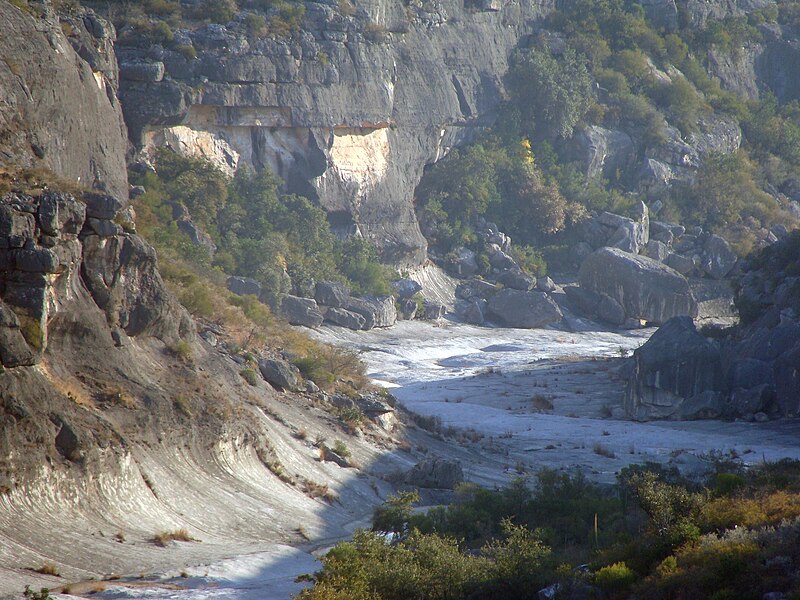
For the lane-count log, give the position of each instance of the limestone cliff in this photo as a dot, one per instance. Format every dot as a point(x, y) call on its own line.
point(58, 106)
point(349, 112)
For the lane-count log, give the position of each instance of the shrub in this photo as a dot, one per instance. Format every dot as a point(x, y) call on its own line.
point(163, 538)
point(250, 376)
point(341, 449)
point(615, 578)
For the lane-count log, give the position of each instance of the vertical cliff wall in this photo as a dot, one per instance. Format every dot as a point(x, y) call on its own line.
point(350, 111)
point(58, 106)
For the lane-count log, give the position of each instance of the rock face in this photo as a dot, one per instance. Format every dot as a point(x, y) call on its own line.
point(525, 310)
point(301, 311)
point(671, 372)
point(438, 473)
point(353, 129)
point(58, 108)
point(49, 255)
point(377, 311)
point(647, 289)
point(753, 372)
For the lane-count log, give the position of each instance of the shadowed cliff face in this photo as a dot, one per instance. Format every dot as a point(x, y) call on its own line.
point(58, 109)
point(350, 111)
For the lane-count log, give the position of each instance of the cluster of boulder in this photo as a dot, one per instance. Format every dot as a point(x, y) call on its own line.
point(638, 269)
point(333, 303)
point(509, 296)
point(752, 372)
point(53, 249)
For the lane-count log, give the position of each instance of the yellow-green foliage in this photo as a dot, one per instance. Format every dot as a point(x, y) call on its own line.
point(615, 578)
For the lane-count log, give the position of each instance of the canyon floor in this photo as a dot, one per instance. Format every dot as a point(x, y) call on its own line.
point(505, 403)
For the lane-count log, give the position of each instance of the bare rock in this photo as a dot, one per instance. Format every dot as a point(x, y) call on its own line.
point(346, 318)
point(331, 293)
point(647, 289)
point(301, 311)
point(281, 374)
point(525, 310)
point(718, 257)
point(436, 473)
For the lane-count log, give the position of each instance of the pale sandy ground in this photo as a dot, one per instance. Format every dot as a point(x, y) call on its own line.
point(483, 382)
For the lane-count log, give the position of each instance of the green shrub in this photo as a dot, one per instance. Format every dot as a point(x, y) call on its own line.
point(615, 578)
point(250, 376)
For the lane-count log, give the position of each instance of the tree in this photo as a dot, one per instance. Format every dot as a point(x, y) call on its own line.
point(553, 94)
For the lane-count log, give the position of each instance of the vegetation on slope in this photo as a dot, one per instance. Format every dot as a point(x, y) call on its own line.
point(609, 67)
point(653, 535)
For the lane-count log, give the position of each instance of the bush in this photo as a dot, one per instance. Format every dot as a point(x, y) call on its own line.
point(250, 376)
point(615, 578)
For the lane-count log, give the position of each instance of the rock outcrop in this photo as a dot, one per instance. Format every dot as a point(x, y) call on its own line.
point(50, 252)
point(58, 107)
point(525, 310)
point(753, 372)
point(645, 288)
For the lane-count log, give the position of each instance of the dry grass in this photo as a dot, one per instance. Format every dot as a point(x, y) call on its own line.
point(541, 402)
point(48, 568)
point(602, 450)
point(163, 538)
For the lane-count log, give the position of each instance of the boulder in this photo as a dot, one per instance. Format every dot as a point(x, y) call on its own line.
point(377, 311)
point(197, 235)
point(714, 298)
point(526, 310)
point(103, 228)
point(718, 257)
point(436, 473)
point(583, 301)
point(656, 250)
point(682, 264)
point(244, 286)
point(602, 152)
point(59, 212)
point(463, 262)
point(142, 71)
point(647, 289)
point(476, 288)
point(752, 400)
point(102, 206)
point(14, 349)
point(16, 227)
point(408, 309)
point(474, 312)
point(611, 311)
point(345, 318)
point(502, 261)
point(281, 374)
point(301, 311)
point(674, 365)
point(516, 280)
point(331, 293)
point(433, 310)
point(406, 288)
point(545, 284)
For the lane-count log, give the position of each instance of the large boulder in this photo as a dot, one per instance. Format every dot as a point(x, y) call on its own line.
point(676, 365)
point(331, 293)
point(345, 318)
point(437, 473)
point(301, 311)
point(516, 280)
point(647, 289)
point(476, 288)
point(525, 310)
point(281, 374)
point(244, 286)
point(718, 257)
point(377, 311)
point(406, 288)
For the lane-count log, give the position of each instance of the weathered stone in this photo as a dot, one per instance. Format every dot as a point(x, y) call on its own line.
point(59, 212)
point(474, 312)
point(346, 318)
point(433, 310)
point(515, 280)
point(463, 262)
point(15, 227)
point(611, 311)
point(718, 257)
point(656, 250)
point(583, 301)
point(244, 286)
point(408, 309)
point(103, 228)
point(436, 473)
point(747, 373)
point(14, 350)
point(545, 284)
point(647, 289)
point(752, 400)
point(102, 206)
point(68, 444)
point(331, 293)
point(476, 288)
point(603, 152)
point(301, 311)
point(37, 260)
point(527, 310)
point(714, 298)
point(197, 236)
point(377, 311)
point(682, 264)
point(675, 364)
point(502, 261)
point(281, 374)
point(406, 288)
point(142, 71)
